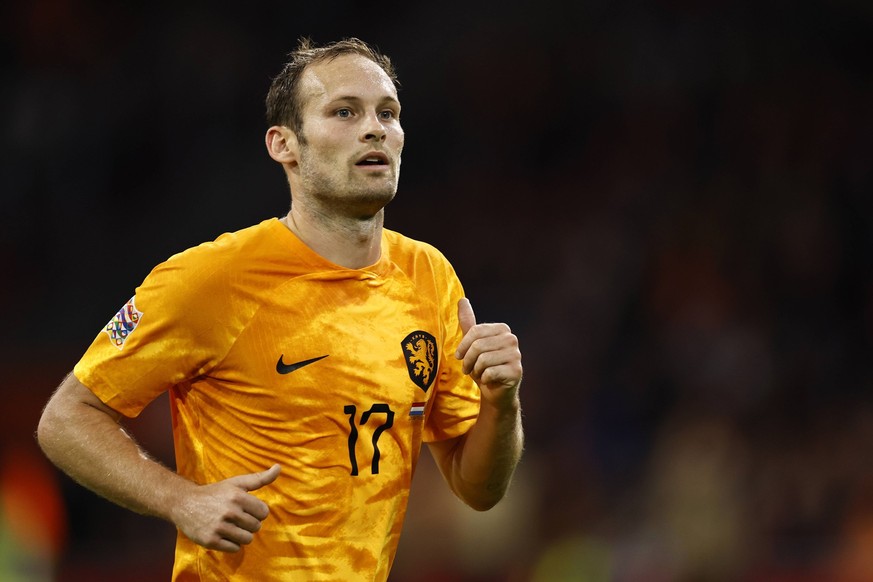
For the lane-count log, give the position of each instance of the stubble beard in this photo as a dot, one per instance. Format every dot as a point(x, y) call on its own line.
point(358, 196)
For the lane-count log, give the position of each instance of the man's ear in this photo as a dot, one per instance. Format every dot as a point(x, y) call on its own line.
point(282, 144)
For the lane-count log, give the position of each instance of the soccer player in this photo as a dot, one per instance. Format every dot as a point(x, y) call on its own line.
point(307, 359)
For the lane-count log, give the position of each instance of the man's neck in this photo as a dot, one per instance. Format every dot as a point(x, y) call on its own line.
point(348, 242)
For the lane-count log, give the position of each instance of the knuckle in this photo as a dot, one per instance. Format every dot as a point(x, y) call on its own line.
point(263, 510)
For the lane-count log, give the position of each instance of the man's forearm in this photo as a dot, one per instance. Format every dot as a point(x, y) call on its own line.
point(485, 460)
point(88, 444)
point(81, 435)
point(480, 464)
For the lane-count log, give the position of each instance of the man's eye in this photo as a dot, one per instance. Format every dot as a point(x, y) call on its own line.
point(344, 112)
point(387, 114)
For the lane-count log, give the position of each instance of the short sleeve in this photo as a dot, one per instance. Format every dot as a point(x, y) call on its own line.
point(170, 331)
point(456, 399)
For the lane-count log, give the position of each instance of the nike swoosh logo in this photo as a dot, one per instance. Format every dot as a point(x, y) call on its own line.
point(284, 368)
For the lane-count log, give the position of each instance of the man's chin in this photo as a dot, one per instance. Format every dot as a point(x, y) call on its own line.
point(368, 204)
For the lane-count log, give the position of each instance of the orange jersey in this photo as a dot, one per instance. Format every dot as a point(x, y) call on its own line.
point(272, 354)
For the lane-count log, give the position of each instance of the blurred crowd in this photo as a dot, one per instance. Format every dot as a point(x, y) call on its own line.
point(670, 202)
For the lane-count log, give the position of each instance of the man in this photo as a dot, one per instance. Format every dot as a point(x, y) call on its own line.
point(306, 359)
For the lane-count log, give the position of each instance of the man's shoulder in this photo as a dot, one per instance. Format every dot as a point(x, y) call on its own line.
point(231, 257)
point(400, 244)
point(228, 249)
point(416, 257)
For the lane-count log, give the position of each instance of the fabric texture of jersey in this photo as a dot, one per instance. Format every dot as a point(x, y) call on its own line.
point(272, 354)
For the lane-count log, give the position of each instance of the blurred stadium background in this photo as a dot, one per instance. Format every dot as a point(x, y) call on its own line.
point(669, 201)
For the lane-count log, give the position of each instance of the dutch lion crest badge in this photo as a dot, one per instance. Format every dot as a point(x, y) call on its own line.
point(421, 357)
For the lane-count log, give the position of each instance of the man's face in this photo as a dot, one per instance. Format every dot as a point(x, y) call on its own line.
point(350, 141)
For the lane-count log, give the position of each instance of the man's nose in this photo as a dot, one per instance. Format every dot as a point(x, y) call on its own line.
point(373, 129)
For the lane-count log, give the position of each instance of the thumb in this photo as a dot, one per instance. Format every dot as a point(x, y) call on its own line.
point(466, 317)
point(253, 481)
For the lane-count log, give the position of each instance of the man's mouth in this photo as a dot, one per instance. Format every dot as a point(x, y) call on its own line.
point(373, 159)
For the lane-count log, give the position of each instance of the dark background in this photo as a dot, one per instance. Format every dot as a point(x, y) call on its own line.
point(669, 202)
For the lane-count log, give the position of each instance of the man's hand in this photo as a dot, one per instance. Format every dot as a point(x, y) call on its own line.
point(491, 356)
point(224, 515)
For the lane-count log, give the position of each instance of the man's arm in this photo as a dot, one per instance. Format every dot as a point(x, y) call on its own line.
point(83, 437)
point(479, 465)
